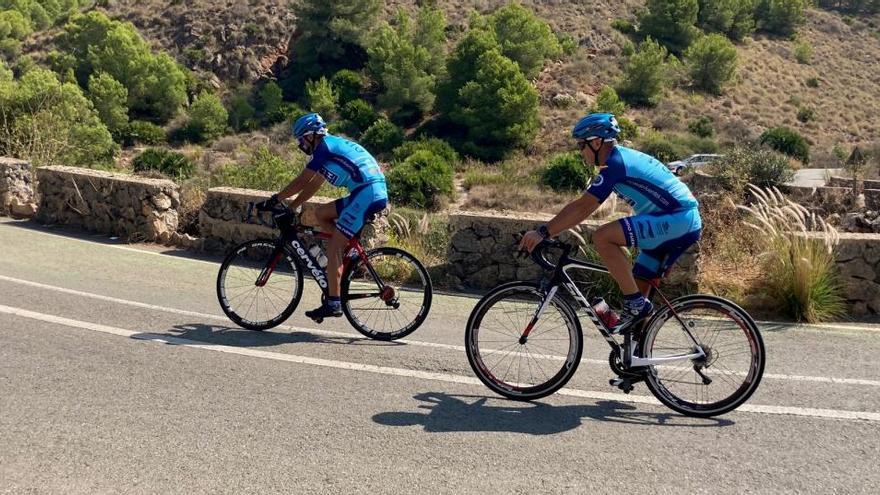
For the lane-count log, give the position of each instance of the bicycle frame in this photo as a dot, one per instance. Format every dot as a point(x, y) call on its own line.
point(560, 277)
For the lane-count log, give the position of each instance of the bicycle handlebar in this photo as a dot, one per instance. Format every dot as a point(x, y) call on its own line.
point(538, 255)
point(278, 210)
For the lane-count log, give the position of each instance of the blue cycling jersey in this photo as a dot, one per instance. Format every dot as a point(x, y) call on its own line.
point(345, 163)
point(643, 182)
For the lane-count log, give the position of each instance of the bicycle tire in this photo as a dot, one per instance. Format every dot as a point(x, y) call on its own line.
point(478, 356)
point(412, 319)
point(719, 310)
point(237, 254)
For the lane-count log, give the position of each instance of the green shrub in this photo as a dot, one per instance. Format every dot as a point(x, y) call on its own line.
point(436, 146)
point(13, 25)
point(566, 173)
point(567, 42)
point(322, 98)
point(646, 74)
point(623, 25)
point(806, 114)
point(628, 129)
point(803, 53)
point(662, 147)
point(702, 127)
point(207, 118)
point(749, 165)
point(733, 18)
point(382, 137)
point(242, 115)
point(143, 132)
point(524, 38)
point(813, 82)
point(671, 22)
point(110, 99)
point(607, 101)
point(170, 163)
point(787, 141)
point(360, 114)
point(420, 180)
point(269, 101)
point(262, 171)
point(348, 85)
point(780, 17)
point(712, 60)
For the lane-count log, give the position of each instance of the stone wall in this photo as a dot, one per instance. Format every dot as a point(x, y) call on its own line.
point(17, 188)
point(847, 182)
point(482, 251)
point(104, 202)
point(831, 196)
point(222, 227)
point(858, 259)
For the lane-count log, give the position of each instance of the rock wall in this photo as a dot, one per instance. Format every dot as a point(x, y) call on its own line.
point(17, 188)
point(482, 251)
point(846, 182)
point(116, 204)
point(222, 227)
point(858, 259)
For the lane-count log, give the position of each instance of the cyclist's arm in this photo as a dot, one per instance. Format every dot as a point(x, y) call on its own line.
point(308, 190)
point(573, 214)
point(304, 179)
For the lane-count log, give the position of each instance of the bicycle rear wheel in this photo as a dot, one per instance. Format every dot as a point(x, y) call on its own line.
point(253, 303)
point(734, 362)
point(523, 370)
point(391, 306)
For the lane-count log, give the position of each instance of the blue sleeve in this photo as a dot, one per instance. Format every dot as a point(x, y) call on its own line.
point(608, 177)
point(319, 157)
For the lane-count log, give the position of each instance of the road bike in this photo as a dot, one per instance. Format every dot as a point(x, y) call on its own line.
point(700, 355)
point(385, 292)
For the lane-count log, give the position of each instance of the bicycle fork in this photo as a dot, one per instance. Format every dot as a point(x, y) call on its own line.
point(549, 297)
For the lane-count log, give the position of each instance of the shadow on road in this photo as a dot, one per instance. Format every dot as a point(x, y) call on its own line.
point(239, 337)
point(451, 413)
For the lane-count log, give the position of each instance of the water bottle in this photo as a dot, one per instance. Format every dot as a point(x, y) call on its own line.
point(319, 255)
point(605, 313)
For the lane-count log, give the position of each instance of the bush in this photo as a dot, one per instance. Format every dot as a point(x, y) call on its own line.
point(780, 17)
point(787, 141)
point(646, 74)
point(242, 115)
point(623, 25)
point(347, 84)
point(170, 163)
point(733, 18)
point(420, 180)
point(207, 118)
point(360, 114)
point(382, 137)
point(712, 60)
point(110, 98)
point(436, 146)
point(803, 53)
point(269, 101)
point(608, 101)
point(13, 25)
point(806, 114)
point(524, 38)
point(662, 147)
point(263, 171)
point(746, 165)
point(671, 22)
point(566, 173)
point(628, 129)
point(568, 44)
point(321, 97)
point(143, 132)
point(702, 127)
point(801, 274)
point(813, 82)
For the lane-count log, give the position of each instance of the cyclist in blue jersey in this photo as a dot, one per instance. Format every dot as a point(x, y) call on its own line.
point(665, 224)
point(342, 163)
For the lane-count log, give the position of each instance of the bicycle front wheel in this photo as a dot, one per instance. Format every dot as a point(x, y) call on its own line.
point(717, 383)
point(259, 285)
point(388, 295)
point(523, 369)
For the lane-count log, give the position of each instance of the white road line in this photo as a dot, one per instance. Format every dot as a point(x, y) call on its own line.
point(409, 373)
point(804, 326)
point(436, 345)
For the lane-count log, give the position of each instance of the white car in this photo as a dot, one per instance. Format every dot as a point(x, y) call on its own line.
point(678, 166)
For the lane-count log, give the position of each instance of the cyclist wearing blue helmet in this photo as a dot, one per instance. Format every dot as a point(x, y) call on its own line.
point(342, 163)
point(665, 224)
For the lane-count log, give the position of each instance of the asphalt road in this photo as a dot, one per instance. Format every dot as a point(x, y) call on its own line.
point(120, 374)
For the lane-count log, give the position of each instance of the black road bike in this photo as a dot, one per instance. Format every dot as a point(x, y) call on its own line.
point(385, 292)
point(700, 355)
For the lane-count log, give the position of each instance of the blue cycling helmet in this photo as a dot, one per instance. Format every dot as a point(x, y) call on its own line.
point(596, 125)
point(310, 123)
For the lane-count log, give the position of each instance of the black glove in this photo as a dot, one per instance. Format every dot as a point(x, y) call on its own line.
point(267, 204)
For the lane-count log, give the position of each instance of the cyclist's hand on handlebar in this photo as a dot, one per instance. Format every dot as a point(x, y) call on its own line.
point(267, 204)
point(530, 241)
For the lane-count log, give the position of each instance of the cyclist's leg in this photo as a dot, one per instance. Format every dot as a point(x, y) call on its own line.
point(363, 202)
point(609, 241)
point(666, 238)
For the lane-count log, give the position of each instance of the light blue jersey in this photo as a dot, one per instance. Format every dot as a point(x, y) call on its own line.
point(345, 163)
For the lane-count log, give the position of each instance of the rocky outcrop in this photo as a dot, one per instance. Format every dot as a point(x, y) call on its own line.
point(17, 188)
point(109, 203)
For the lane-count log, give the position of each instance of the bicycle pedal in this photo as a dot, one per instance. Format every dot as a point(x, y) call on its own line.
point(623, 384)
point(318, 320)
